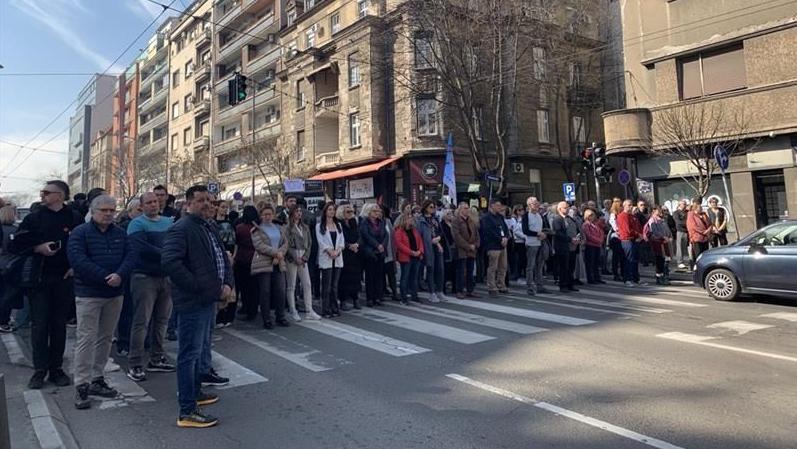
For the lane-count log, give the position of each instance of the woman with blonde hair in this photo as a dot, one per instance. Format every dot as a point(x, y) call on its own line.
point(618, 256)
point(374, 243)
point(299, 245)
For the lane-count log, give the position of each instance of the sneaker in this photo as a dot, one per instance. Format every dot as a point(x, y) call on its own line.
point(629, 284)
point(642, 283)
point(213, 379)
point(6, 328)
point(295, 316)
point(122, 352)
point(101, 388)
point(197, 420)
point(433, 298)
point(473, 295)
point(171, 335)
point(82, 400)
point(311, 315)
point(36, 381)
point(59, 377)
point(219, 325)
point(283, 323)
point(206, 398)
point(444, 298)
point(160, 365)
point(682, 266)
point(111, 366)
point(136, 374)
point(531, 292)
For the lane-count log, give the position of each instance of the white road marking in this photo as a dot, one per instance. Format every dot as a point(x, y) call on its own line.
point(304, 356)
point(705, 341)
point(527, 313)
point(788, 316)
point(48, 424)
point(740, 327)
point(452, 314)
point(603, 425)
point(559, 303)
point(370, 340)
point(424, 327)
point(239, 375)
point(611, 304)
point(647, 299)
point(130, 391)
point(14, 350)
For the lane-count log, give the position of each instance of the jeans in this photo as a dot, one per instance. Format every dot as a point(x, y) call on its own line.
point(193, 329)
point(152, 305)
point(465, 279)
point(631, 261)
point(96, 320)
point(409, 278)
point(682, 247)
point(272, 294)
point(329, 290)
point(592, 262)
point(496, 269)
point(303, 274)
point(50, 302)
point(533, 268)
point(434, 273)
point(374, 280)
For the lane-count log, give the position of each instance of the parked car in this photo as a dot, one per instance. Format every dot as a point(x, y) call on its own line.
point(764, 262)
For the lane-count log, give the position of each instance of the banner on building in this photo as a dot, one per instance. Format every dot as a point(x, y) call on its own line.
point(449, 176)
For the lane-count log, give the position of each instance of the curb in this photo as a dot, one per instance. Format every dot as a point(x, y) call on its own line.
point(48, 422)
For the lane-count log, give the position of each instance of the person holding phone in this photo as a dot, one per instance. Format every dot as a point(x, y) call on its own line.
point(44, 233)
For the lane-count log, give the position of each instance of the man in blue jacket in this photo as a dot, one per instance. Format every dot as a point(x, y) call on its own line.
point(101, 258)
point(495, 238)
point(200, 273)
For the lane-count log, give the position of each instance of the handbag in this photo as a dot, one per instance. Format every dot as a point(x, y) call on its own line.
point(23, 271)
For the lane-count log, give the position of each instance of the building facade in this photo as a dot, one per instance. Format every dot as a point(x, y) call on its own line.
point(100, 173)
point(726, 68)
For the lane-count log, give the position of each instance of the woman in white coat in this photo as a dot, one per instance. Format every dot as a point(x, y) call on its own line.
point(330, 258)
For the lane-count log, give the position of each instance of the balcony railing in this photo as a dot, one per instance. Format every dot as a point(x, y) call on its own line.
point(204, 38)
point(201, 106)
point(201, 143)
point(230, 15)
point(327, 160)
point(227, 146)
point(154, 122)
point(202, 72)
point(327, 106)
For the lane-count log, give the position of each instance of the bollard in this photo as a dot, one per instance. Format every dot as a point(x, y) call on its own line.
point(5, 436)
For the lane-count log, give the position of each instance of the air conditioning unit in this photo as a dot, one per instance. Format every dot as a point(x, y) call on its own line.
point(518, 167)
point(319, 30)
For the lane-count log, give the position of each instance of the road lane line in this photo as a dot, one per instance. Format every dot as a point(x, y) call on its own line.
point(788, 316)
point(740, 327)
point(14, 350)
point(239, 375)
point(559, 303)
point(306, 357)
point(480, 320)
point(599, 302)
point(423, 327)
point(48, 423)
point(361, 337)
point(704, 341)
point(527, 313)
point(647, 299)
point(603, 425)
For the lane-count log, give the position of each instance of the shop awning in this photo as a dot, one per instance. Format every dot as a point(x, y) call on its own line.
point(362, 169)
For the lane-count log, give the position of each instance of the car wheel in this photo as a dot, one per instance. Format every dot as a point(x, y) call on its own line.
point(722, 285)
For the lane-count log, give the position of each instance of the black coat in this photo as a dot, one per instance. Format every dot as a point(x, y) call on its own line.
point(370, 239)
point(352, 264)
point(189, 261)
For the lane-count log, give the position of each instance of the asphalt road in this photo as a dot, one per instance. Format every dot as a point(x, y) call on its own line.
point(603, 368)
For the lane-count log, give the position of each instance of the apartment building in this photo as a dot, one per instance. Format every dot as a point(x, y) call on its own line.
point(124, 133)
point(245, 40)
point(190, 96)
point(100, 173)
point(152, 150)
point(92, 114)
point(732, 62)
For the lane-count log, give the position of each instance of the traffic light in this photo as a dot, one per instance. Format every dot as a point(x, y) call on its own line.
point(241, 93)
point(586, 157)
point(602, 168)
point(236, 89)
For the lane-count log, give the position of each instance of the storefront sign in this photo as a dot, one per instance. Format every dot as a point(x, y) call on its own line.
point(294, 185)
point(361, 188)
point(313, 185)
point(314, 203)
point(426, 171)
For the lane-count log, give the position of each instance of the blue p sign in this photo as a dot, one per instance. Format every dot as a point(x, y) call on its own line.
point(569, 189)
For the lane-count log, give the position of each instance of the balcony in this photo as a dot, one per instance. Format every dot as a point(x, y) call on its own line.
point(627, 131)
point(204, 38)
point(327, 160)
point(158, 145)
point(201, 106)
point(228, 112)
point(268, 131)
point(227, 146)
point(230, 50)
point(156, 100)
point(201, 143)
point(263, 61)
point(154, 75)
point(328, 107)
point(229, 15)
point(154, 122)
point(202, 72)
point(260, 28)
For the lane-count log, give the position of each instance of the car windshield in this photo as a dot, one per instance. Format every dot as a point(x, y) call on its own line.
point(777, 235)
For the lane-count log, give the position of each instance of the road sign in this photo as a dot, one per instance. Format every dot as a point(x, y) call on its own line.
point(213, 187)
point(721, 156)
point(312, 185)
point(238, 196)
point(624, 177)
point(294, 185)
point(492, 178)
point(569, 190)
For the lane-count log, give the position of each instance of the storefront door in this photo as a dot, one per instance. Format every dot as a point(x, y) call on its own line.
point(771, 204)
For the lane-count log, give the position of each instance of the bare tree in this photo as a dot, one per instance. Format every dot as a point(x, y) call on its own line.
point(273, 159)
point(691, 132)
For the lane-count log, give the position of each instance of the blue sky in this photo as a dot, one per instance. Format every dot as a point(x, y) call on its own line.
point(56, 36)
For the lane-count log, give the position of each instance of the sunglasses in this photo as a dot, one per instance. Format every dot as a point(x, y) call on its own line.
point(48, 192)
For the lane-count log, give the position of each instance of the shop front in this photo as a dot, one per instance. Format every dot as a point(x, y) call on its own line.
point(368, 183)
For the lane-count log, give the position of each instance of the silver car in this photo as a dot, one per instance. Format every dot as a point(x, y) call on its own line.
point(764, 262)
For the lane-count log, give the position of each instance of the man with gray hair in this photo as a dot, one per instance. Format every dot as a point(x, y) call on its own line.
point(681, 235)
point(101, 259)
point(532, 227)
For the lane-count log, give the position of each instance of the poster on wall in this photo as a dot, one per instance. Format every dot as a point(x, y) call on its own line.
point(361, 188)
point(314, 203)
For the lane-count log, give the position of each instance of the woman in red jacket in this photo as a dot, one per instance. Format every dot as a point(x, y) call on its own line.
point(699, 229)
point(409, 253)
point(592, 229)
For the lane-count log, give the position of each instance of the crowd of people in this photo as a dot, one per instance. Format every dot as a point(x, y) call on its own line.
point(153, 272)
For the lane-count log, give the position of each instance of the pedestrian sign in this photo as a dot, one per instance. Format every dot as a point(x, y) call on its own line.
point(721, 156)
point(213, 187)
point(569, 190)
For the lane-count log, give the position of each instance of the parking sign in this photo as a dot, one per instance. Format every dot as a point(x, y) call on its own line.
point(569, 190)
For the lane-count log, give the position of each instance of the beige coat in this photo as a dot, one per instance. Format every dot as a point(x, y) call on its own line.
point(463, 239)
point(263, 260)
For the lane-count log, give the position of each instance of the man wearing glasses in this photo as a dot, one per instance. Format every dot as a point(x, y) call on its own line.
point(45, 233)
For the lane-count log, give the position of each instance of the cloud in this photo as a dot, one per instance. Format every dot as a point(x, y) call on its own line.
point(28, 176)
point(53, 18)
point(144, 9)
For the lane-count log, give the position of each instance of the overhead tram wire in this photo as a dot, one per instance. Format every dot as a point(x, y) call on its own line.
point(35, 149)
point(69, 106)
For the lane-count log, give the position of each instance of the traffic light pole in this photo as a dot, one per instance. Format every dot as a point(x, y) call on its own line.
point(595, 176)
point(252, 127)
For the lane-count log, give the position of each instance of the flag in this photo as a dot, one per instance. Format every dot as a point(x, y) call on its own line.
point(449, 177)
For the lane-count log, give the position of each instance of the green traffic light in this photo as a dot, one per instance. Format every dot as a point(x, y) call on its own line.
point(241, 94)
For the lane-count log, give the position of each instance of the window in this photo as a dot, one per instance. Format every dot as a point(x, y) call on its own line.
point(174, 141)
point(543, 131)
point(579, 131)
point(478, 114)
point(780, 235)
point(711, 73)
point(291, 17)
point(189, 69)
point(204, 128)
point(176, 110)
point(300, 146)
point(229, 132)
point(427, 117)
point(176, 78)
point(334, 23)
point(539, 63)
point(354, 130)
point(188, 102)
point(362, 8)
point(423, 52)
point(186, 136)
point(308, 4)
point(205, 57)
point(299, 95)
point(311, 36)
point(574, 79)
point(354, 70)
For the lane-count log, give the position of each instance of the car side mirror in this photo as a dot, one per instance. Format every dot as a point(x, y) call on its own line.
point(756, 248)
